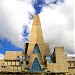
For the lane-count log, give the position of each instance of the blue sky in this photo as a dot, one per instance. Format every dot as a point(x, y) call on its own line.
point(6, 45)
point(16, 18)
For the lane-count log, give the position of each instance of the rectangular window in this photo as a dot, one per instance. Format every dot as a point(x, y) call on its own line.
point(9, 62)
point(19, 68)
point(70, 63)
point(13, 62)
point(15, 68)
point(17, 62)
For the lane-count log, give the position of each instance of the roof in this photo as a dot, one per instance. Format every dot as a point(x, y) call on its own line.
point(11, 55)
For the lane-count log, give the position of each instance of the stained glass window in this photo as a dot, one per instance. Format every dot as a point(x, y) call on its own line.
point(35, 65)
point(36, 49)
point(23, 58)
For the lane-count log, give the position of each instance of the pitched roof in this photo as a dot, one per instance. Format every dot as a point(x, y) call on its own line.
point(11, 55)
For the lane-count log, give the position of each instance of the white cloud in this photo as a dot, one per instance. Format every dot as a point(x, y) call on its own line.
point(71, 55)
point(58, 26)
point(57, 23)
point(13, 15)
point(1, 56)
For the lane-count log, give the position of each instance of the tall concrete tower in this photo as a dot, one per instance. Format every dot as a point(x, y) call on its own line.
point(36, 47)
point(36, 37)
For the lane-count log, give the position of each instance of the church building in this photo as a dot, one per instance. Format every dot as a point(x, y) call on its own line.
point(36, 58)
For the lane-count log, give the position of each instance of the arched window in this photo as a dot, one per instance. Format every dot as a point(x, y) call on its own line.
point(35, 65)
point(36, 49)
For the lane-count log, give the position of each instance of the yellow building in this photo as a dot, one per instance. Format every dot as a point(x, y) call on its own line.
point(36, 57)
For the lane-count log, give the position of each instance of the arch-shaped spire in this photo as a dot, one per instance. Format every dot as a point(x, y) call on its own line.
point(36, 36)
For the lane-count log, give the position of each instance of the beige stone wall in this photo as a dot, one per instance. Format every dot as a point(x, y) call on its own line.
point(16, 68)
point(71, 67)
point(61, 61)
point(11, 55)
point(1, 63)
point(61, 64)
point(13, 69)
point(5, 62)
point(47, 49)
point(38, 56)
point(71, 71)
point(19, 68)
point(51, 67)
point(10, 66)
point(0, 68)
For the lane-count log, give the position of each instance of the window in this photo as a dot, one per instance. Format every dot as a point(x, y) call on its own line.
point(36, 49)
point(35, 65)
point(23, 58)
point(13, 62)
point(4, 66)
point(70, 63)
point(17, 58)
point(9, 62)
point(21, 63)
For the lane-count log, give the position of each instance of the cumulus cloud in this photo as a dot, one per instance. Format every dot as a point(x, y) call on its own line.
point(71, 55)
point(1, 56)
point(58, 26)
point(13, 15)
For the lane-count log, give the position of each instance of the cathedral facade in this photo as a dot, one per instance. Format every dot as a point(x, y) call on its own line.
point(37, 58)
